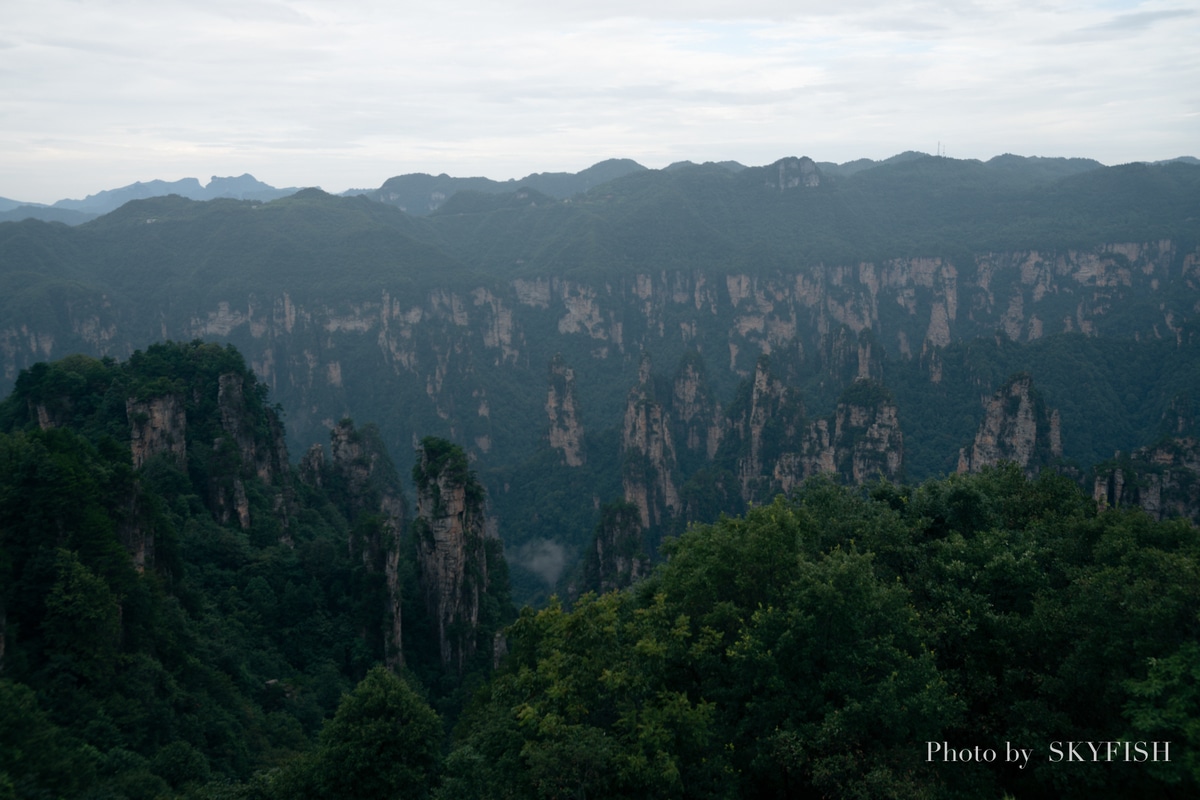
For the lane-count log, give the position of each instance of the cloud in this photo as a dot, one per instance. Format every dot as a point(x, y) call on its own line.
point(99, 95)
point(544, 558)
point(1122, 26)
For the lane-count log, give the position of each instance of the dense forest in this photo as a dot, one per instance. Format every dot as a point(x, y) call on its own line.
point(179, 606)
point(187, 614)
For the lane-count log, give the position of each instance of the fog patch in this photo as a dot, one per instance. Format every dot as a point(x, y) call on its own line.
point(542, 557)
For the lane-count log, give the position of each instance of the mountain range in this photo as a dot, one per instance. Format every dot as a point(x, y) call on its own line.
point(688, 340)
point(421, 193)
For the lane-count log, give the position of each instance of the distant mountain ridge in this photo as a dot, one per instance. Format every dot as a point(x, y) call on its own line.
point(420, 193)
point(76, 212)
point(242, 187)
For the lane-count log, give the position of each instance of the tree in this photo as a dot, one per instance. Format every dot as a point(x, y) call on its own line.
point(384, 742)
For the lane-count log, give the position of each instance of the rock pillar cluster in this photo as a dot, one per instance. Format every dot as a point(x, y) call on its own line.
point(452, 555)
point(617, 557)
point(1164, 480)
point(1016, 427)
point(361, 479)
point(562, 409)
point(648, 450)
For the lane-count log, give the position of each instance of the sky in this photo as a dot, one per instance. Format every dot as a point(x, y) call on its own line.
point(98, 94)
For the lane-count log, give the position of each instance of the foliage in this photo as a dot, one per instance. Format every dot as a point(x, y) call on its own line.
point(383, 742)
point(817, 645)
point(443, 461)
point(152, 642)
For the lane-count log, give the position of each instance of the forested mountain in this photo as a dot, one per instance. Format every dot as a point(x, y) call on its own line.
point(688, 340)
point(421, 194)
point(180, 606)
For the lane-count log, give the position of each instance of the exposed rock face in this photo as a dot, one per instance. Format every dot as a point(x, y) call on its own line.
point(860, 442)
point(566, 431)
point(269, 459)
point(363, 481)
point(649, 453)
point(761, 444)
point(1016, 427)
point(157, 425)
point(263, 457)
point(51, 415)
point(770, 417)
point(363, 471)
point(617, 558)
point(229, 500)
point(793, 173)
point(1163, 479)
point(871, 434)
point(450, 531)
point(407, 341)
point(698, 415)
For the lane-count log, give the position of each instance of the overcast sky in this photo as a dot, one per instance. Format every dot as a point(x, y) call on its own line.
point(97, 94)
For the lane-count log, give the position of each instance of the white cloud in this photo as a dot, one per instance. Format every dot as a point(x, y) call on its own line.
point(97, 95)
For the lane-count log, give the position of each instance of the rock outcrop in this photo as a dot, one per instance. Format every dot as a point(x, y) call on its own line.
point(1016, 427)
point(861, 441)
point(252, 445)
point(765, 420)
point(697, 414)
point(136, 533)
point(157, 425)
point(867, 429)
point(648, 453)
point(1164, 480)
point(452, 554)
point(453, 338)
point(562, 409)
point(361, 479)
point(268, 457)
point(617, 557)
point(763, 443)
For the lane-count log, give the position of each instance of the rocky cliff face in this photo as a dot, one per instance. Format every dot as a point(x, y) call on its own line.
point(361, 479)
point(648, 450)
point(562, 409)
point(435, 347)
point(250, 444)
point(1163, 479)
point(764, 441)
point(1016, 427)
point(156, 425)
point(450, 532)
point(269, 456)
point(764, 421)
point(860, 442)
point(253, 453)
point(871, 433)
point(697, 414)
point(617, 557)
